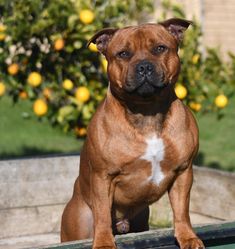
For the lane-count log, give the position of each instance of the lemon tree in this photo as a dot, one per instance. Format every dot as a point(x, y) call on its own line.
point(93, 47)
point(44, 58)
point(86, 16)
point(2, 32)
point(40, 107)
point(82, 94)
point(34, 79)
point(2, 89)
point(221, 101)
point(180, 91)
point(67, 84)
point(59, 44)
point(204, 74)
point(195, 106)
point(13, 69)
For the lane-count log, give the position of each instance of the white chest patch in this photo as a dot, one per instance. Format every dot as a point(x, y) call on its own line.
point(155, 153)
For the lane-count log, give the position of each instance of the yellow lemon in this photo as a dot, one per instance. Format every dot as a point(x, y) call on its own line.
point(2, 88)
point(2, 36)
point(2, 28)
point(13, 69)
point(34, 79)
point(195, 106)
point(93, 47)
point(67, 84)
point(23, 95)
point(40, 107)
point(104, 64)
point(195, 58)
point(180, 91)
point(86, 16)
point(221, 101)
point(80, 131)
point(47, 93)
point(59, 44)
point(82, 94)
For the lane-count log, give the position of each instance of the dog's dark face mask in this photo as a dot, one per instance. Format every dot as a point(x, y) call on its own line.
point(142, 60)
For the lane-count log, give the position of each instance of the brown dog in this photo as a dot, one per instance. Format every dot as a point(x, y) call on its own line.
point(141, 142)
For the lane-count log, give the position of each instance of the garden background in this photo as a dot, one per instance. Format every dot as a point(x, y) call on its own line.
point(51, 84)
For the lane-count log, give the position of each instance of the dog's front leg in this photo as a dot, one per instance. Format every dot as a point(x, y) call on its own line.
point(179, 195)
point(101, 208)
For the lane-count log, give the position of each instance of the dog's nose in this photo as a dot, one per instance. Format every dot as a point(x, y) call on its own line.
point(145, 68)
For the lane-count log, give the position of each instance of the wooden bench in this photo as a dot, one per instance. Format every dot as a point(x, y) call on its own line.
point(33, 193)
point(214, 236)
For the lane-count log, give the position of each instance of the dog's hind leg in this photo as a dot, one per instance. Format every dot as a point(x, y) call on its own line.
point(77, 220)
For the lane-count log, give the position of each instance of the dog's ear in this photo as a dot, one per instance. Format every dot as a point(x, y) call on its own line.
point(102, 38)
point(176, 27)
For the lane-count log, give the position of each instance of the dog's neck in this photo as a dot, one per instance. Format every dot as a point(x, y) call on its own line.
point(147, 114)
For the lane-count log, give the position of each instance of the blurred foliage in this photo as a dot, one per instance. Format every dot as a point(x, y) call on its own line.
point(50, 37)
point(204, 72)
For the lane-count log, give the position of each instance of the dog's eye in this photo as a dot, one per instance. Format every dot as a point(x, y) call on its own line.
point(124, 54)
point(159, 49)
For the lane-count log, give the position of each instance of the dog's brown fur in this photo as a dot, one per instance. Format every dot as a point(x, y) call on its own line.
point(114, 184)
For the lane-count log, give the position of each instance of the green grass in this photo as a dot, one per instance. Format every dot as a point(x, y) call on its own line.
point(217, 139)
point(30, 137)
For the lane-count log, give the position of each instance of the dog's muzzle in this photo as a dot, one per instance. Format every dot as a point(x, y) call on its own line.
point(145, 71)
point(146, 81)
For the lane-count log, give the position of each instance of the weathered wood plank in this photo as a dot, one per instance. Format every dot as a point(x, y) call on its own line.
point(45, 181)
point(213, 193)
point(29, 241)
point(30, 220)
point(37, 181)
point(34, 190)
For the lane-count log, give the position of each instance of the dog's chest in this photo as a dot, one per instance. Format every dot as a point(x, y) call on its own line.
point(154, 153)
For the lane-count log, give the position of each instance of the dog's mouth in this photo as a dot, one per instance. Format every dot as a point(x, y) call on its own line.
point(145, 87)
point(145, 79)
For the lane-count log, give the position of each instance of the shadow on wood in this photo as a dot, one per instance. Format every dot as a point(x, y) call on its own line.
point(212, 235)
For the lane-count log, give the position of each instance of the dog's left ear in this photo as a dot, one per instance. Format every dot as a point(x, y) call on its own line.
point(176, 27)
point(102, 39)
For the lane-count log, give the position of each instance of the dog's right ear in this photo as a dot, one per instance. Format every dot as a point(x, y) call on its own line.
point(102, 39)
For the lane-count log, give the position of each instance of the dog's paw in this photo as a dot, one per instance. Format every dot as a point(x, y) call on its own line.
point(105, 247)
point(191, 243)
point(104, 241)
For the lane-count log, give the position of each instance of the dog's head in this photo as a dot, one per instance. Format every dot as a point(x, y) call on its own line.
point(142, 60)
